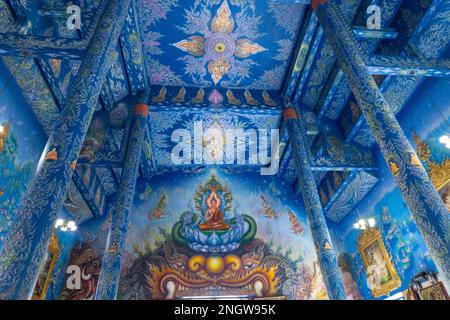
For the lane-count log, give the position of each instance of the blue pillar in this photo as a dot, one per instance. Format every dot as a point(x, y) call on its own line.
point(316, 219)
point(110, 275)
point(26, 243)
point(423, 201)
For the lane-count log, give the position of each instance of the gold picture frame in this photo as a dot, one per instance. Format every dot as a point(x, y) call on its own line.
point(45, 275)
point(444, 191)
point(374, 255)
point(439, 173)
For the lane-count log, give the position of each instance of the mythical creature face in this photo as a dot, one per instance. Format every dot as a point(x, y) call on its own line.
point(231, 274)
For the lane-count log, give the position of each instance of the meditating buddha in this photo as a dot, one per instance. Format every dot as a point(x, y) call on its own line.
point(214, 216)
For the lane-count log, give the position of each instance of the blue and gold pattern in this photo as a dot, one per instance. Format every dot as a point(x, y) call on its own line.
point(225, 43)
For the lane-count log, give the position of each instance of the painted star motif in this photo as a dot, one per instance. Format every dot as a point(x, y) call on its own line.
point(220, 45)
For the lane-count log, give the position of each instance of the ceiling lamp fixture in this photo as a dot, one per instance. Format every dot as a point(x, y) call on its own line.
point(65, 226)
point(362, 224)
point(445, 139)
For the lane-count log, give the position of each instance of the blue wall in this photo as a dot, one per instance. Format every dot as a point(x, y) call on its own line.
point(22, 148)
point(427, 114)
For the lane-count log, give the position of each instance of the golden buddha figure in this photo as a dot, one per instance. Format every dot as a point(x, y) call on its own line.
point(214, 216)
point(394, 168)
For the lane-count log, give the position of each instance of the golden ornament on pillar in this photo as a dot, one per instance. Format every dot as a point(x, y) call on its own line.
point(415, 160)
point(73, 165)
point(394, 168)
point(113, 249)
point(52, 155)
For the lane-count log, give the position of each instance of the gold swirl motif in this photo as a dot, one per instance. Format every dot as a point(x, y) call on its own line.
point(196, 263)
point(233, 262)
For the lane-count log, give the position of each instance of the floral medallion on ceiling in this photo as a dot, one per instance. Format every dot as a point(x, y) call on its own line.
point(219, 43)
point(220, 46)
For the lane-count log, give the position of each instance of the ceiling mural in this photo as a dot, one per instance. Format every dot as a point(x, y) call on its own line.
point(166, 120)
point(219, 43)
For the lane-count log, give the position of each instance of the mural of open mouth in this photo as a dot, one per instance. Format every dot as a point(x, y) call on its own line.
point(229, 275)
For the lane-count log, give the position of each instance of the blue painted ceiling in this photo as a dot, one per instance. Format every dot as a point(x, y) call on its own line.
point(241, 57)
point(219, 43)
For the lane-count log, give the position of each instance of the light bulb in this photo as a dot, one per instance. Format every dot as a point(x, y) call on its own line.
point(362, 222)
point(59, 223)
point(363, 227)
point(372, 222)
point(444, 139)
point(356, 225)
point(71, 225)
point(64, 228)
point(2, 129)
point(447, 145)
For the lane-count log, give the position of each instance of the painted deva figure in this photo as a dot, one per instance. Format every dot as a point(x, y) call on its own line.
point(214, 216)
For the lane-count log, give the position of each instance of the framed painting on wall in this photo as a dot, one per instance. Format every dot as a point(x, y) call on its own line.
point(382, 278)
point(444, 192)
point(439, 173)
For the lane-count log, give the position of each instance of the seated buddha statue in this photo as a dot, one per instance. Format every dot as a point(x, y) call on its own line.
point(214, 216)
